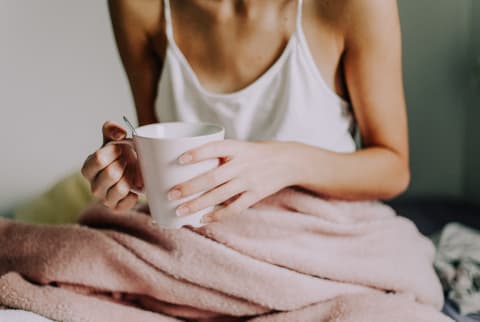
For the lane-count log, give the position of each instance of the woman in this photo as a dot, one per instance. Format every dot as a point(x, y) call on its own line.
point(287, 78)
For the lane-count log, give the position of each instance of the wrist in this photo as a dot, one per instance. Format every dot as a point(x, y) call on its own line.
point(308, 166)
point(295, 158)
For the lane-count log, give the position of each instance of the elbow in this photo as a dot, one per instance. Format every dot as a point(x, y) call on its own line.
point(403, 181)
point(399, 183)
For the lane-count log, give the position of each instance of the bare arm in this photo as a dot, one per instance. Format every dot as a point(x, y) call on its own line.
point(373, 72)
point(133, 25)
point(113, 170)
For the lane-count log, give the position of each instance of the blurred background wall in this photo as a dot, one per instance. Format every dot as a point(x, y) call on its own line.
point(473, 109)
point(60, 78)
point(437, 68)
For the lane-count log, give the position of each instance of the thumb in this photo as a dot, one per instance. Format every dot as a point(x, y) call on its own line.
point(112, 131)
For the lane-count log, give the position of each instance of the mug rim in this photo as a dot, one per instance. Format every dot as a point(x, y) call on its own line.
point(219, 129)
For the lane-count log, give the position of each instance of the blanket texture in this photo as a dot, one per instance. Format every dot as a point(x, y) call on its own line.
point(291, 257)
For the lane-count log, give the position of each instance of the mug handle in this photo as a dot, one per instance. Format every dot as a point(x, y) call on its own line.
point(132, 145)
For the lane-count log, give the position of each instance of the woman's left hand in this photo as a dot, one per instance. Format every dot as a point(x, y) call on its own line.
point(248, 172)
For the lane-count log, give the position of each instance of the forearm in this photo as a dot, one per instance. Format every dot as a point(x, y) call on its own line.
point(367, 174)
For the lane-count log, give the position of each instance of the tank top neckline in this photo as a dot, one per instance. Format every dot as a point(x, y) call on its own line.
point(268, 74)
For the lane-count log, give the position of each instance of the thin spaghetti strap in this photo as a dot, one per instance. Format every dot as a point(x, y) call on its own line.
point(299, 14)
point(168, 19)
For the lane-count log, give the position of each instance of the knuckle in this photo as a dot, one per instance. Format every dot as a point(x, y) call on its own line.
point(108, 203)
point(88, 168)
point(123, 188)
point(132, 197)
point(83, 171)
point(98, 159)
point(96, 192)
point(127, 202)
point(114, 171)
point(109, 171)
point(111, 199)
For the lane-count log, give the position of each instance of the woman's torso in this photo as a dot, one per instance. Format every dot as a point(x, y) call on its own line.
point(271, 72)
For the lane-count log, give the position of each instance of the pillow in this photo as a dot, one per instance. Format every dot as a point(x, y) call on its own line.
point(62, 203)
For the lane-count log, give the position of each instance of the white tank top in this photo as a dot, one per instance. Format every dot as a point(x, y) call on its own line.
point(289, 102)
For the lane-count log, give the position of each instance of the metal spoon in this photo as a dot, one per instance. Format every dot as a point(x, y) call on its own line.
point(127, 122)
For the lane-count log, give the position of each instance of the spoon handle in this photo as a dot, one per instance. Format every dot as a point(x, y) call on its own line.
point(127, 122)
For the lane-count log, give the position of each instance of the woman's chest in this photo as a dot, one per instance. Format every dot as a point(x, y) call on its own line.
point(227, 55)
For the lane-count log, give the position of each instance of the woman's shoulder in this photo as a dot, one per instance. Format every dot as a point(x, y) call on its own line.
point(345, 12)
point(354, 17)
point(146, 15)
point(350, 8)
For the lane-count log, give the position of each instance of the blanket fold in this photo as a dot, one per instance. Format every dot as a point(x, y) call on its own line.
point(292, 257)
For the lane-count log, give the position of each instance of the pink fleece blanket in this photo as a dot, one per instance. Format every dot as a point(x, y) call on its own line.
point(292, 257)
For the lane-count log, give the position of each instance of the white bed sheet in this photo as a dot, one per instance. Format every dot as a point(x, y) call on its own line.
point(21, 316)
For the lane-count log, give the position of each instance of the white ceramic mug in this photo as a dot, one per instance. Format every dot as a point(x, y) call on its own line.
point(158, 147)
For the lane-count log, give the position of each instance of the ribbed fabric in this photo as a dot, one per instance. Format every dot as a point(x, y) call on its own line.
point(289, 102)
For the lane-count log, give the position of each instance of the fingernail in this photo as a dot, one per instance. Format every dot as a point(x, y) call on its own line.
point(182, 211)
point(174, 194)
point(117, 134)
point(185, 158)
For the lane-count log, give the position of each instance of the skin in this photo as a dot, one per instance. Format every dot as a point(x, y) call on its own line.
point(356, 45)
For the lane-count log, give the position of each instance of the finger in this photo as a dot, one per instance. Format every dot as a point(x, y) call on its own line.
point(128, 202)
point(99, 160)
point(203, 182)
point(107, 178)
point(138, 178)
point(112, 131)
point(230, 200)
point(211, 150)
point(133, 168)
point(211, 198)
point(117, 192)
point(243, 202)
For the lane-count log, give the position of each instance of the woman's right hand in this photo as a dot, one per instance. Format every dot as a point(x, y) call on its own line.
point(113, 170)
